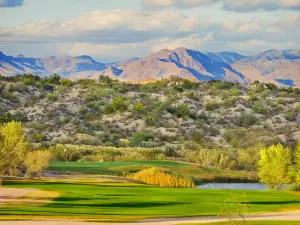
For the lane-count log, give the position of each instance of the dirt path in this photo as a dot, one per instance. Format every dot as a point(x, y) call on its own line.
point(7, 194)
point(291, 216)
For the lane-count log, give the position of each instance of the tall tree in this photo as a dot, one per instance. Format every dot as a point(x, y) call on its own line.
point(275, 166)
point(297, 161)
point(36, 162)
point(12, 146)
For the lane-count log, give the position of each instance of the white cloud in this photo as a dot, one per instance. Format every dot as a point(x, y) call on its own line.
point(120, 34)
point(230, 5)
point(106, 26)
point(256, 46)
point(176, 3)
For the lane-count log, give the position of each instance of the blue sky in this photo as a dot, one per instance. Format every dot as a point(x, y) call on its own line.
point(111, 30)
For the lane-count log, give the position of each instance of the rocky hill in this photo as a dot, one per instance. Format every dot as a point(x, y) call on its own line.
point(173, 111)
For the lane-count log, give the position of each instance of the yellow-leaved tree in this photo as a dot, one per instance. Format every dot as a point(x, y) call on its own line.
point(36, 162)
point(12, 146)
point(275, 166)
point(297, 161)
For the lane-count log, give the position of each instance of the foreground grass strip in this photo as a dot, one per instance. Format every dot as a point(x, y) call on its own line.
point(128, 201)
point(252, 223)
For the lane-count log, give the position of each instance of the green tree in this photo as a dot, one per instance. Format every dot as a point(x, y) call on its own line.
point(36, 162)
point(297, 161)
point(275, 166)
point(12, 146)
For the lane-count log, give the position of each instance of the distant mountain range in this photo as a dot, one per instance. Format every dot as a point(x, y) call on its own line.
point(279, 67)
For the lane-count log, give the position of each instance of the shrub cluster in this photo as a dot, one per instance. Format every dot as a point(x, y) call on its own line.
point(163, 178)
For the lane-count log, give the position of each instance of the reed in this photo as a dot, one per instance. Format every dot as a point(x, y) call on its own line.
point(163, 178)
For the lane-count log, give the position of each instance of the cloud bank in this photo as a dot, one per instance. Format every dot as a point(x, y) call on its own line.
point(119, 34)
point(229, 5)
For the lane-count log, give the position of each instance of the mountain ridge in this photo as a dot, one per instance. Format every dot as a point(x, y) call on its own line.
point(281, 67)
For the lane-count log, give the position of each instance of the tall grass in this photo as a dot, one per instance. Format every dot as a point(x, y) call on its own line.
point(163, 178)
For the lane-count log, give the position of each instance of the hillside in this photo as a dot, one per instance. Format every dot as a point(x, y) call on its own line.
point(110, 113)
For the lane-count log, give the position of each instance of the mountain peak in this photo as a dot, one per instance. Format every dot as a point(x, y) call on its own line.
point(84, 57)
point(20, 56)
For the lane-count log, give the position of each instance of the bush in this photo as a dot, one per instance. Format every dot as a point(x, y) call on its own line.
point(246, 120)
point(210, 106)
point(139, 138)
point(294, 187)
point(119, 105)
point(291, 115)
point(182, 110)
point(163, 178)
point(52, 97)
point(260, 108)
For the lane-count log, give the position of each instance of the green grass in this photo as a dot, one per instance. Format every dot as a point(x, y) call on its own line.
point(117, 168)
point(125, 201)
point(254, 223)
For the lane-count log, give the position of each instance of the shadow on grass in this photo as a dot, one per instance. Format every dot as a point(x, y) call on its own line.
point(135, 205)
point(273, 203)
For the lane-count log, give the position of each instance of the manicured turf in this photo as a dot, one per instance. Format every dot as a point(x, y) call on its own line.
point(117, 168)
point(130, 201)
point(255, 223)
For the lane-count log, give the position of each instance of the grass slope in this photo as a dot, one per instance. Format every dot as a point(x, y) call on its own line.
point(117, 168)
point(128, 201)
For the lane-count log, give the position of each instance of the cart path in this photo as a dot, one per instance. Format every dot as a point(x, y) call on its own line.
point(289, 216)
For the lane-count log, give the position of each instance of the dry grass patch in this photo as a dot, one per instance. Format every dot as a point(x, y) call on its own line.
point(39, 197)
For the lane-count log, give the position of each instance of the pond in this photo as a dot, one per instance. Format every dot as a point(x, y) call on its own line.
point(234, 186)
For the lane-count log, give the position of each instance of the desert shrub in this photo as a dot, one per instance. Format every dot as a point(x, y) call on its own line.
point(181, 110)
point(171, 151)
point(138, 108)
point(66, 82)
point(163, 178)
point(260, 108)
point(210, 106)
point(139, 138)
point(291, 115)
point(243, 138)
point(52, 97)
point(8, 117)
point(229, 102)
point(235, 91)
point(265, 94)
point(108, 109)
point(246, 120)
point(271, 86)
point(253, 96)
point(119, 104)
point(10, 96)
